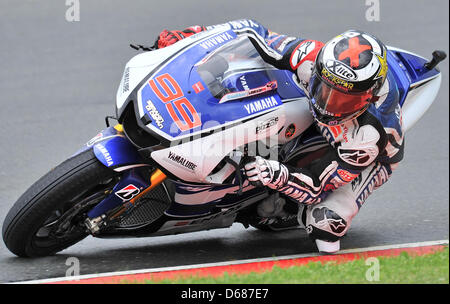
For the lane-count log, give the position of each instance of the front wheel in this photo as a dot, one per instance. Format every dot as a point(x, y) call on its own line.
point(49, 216)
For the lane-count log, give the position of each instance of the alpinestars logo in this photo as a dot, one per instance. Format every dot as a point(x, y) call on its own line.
point(303, 49)
point(323, 216)
point(128, 192)
point(336, 225)
point(354, 157)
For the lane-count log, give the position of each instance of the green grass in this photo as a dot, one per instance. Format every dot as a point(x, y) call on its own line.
point(403, 269)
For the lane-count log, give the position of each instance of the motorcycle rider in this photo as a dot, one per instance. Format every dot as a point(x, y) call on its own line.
point(354, 100)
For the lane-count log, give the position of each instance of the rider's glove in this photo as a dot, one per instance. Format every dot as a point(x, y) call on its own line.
point(167, 38)
point(270, 173)
point(301, 188)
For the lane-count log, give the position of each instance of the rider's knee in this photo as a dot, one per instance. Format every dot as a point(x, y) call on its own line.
point(330, 220)
point(325, 224)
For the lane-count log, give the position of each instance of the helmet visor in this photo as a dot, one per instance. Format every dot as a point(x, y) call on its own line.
point(331, 104)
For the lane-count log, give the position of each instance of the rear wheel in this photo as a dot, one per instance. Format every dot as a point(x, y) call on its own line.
point(49, 216)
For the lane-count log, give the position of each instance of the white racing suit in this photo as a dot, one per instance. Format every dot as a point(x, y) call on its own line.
point(360, 156)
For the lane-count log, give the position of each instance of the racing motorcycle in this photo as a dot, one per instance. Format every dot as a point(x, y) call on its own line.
point(188, 117)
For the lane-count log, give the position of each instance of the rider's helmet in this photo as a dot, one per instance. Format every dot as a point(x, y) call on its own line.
point(348, 73)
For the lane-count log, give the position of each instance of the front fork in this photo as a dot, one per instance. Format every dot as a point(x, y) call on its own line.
point(114, 150)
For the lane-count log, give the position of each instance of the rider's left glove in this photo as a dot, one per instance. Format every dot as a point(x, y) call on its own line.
point(167, 38)
point(263, 172)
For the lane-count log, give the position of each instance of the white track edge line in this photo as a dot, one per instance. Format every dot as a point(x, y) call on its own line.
point(227, 263)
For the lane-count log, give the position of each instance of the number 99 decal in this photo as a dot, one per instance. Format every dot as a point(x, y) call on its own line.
point(172, 96)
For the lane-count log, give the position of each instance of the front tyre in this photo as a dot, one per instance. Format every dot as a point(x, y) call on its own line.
point(49, 216)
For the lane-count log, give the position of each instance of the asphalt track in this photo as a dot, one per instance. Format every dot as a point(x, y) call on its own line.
point(246, 266)
point(58, 80)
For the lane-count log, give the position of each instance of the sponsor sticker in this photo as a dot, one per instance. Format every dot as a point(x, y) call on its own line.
point(251, 92)
point(154, 113)
point(337, 81)
point(342, 70)
point(346, 176)
point(244, 82)
point(182, 161)
point(128, 192)
point(290, 130)
point(266, 124)
point(261, 104)
point(216, 40)
point(106, 154)
point(323, 111)
point(126, 80)
point(243, 23)
point(198, 87)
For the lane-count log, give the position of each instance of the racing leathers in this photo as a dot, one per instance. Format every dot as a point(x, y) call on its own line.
point(360, 154)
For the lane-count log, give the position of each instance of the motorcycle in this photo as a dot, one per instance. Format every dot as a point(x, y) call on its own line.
point(188, 117)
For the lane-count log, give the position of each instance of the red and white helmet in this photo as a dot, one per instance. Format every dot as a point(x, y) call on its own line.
point(348, 74)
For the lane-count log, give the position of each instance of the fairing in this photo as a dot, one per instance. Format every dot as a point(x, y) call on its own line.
point(178, 104)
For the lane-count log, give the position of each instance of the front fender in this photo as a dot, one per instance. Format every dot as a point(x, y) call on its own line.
point(114, 150)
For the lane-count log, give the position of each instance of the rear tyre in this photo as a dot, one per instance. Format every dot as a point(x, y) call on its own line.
point(48, 218)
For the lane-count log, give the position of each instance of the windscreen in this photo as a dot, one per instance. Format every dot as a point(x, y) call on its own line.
point(237, 56)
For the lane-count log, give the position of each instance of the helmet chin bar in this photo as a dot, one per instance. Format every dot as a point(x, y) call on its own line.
point(337, 121)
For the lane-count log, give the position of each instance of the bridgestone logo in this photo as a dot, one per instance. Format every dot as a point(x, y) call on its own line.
point(182, 161)
point(128, 192)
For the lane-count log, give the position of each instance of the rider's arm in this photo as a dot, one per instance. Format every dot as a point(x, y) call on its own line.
point(283, 52)
point(312, 183)
point(307, 185)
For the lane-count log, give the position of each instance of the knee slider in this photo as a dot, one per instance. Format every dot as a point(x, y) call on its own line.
point(325, 224)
